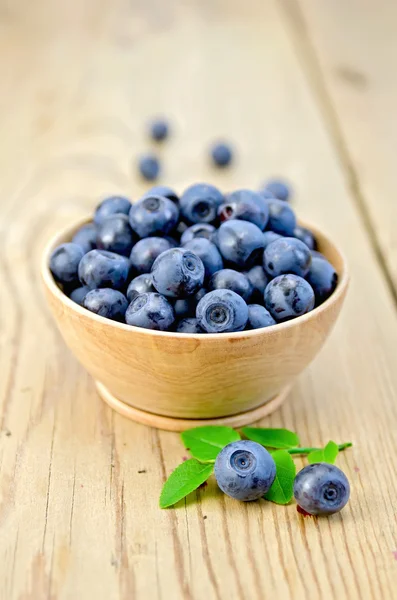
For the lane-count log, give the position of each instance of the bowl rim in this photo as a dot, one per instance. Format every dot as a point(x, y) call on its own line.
point(66, 231)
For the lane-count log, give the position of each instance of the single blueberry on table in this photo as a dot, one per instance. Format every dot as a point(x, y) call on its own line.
point(142, 284)
point(222, 311)
point(153, 215)
point(150, 311)
point(279, 188)
point(221, 154)
point(228, 279)
point(259, 317)
point(200, 202)
point(100, 269)
point(163, 190)
point(111, 206)
point(282, 218)
point(287, 255)
point(269, 237)
point(145, 252)
point(322, 277)
point(288, 296)
point(245, 470)
point(190, 325)
point(178, 273)
point(79, 294)
point(199, 230)
point(209, 254)
point(149, 167)
point(258, 280)
point(321, 489)
point(86, 237)
point(159, 129)
point(106, 302)
point(115, 235)
point(240, 243)
point(305, 236)
point(64, 263)
point(247, 206)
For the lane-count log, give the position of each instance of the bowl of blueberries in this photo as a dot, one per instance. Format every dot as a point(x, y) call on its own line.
point(192, 308)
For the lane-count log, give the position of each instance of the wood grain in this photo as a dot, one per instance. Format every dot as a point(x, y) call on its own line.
point(79, 485)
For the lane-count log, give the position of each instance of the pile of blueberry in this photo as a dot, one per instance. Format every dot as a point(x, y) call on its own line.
point(203, 262)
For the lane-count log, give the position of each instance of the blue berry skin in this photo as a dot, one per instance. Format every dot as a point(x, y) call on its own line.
point(150, 311)
point(245, 470)
point(106, 303)
point(111, 206)
point(64, 263)
point(322, 277)
point(259, 280)
point(142, 284)
point(100, 269)
point(149, 167)
point(259, 317)
point(79, 294)
point(287, 255)
point(115, 235)
point(145, 252)
point(279, 188)
point(199, 230)
point(209, 254)
point(288, 296)
point(247, 206)
point(305, 236)
point(159, 130)
point(200, 203)
point(178, 273)
point(221, 155)
point(86, 237)
point(186, 307)
point(153, 215)
point(180, 229)
point(228, 279)
point(222, 311)
point(240, 243)
point(190, 325)
point(270, 236)
point(165, 191)
point(266, 194)
point(321, 489)
point(282, 218)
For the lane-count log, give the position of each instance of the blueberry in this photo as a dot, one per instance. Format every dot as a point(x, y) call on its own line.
point(259, 317)
point(282, 218)
point(266, 194)
point(322, 277)
point(247, 206)
point(79, 294)
point(305, 236)
point(140, 285)
point(153, 215)
point(228, 279)
point(159, 130)
point(221, 155)
point(186, 307)
point(178, 273)
point(321, 489)
point(145, 252)
point(111, 206)
point(259, 280)
point(270, 236)
point(163, 190)
point(288, 296)
point(287, 255)
point(115, 235)
point(245, 470)
point(86, 237)
point(100, 269)
point(149, 167)
point(199, 230)
point(209, 254)
point(240, 243)
point(64, 262)
point(222, 311)
point(279, 188)
point(151, 311)
point(106, 303)
point(200, 203)
point(189, 326)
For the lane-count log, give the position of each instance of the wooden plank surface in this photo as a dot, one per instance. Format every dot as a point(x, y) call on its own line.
point(77, 518)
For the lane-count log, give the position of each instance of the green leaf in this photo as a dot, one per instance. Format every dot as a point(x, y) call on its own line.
point(272, 438)
point(281, 491)
point(327, 454)
point(185, 479)
point(205, 443)
point(316, 456)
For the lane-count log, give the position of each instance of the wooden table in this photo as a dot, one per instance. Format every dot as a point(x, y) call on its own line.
point(305, 88)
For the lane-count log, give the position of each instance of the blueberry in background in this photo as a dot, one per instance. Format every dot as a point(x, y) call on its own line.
point(149, 167)
point(180, 229)
point(209, 254)
point(259, 317)
point(115, 235)
point(111, 206)
point(163, 190)
point(228, 279)
point(100, 268)
point(222, 311)
point(142, 284)
point(64, 263)
point(153, 215)
point(178, 273)
point(150, 311)
point(200, 202)
point(321, 489)
point(86, 237)
point(279, 188)
point(199, 230)
point(288, 296)
point(159, 129)
point(245, 470)
point(221, 154)
point(287, 255)
point(247, 206)
point(240, 243)
point(282, 218)
point(79, 294)
point(322, 277)
point(259, 280)
point(266, 194)
point(305, 236)
point(190, 325)
point(186, 307)
point(270, 236)
point(106, 302)
point(145, 252)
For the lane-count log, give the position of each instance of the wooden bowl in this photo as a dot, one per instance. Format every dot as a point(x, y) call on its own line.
point(175, 381)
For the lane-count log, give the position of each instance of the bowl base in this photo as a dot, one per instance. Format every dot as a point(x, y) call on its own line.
point(176, 424)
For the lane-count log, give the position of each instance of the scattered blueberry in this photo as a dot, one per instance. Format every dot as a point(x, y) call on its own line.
point(145, 252)
point(222, 311)
point(240, 242)
point(288, 296)
point(279, 188)
point(282, 218)
point(86, 237)
point(269, 237)
point(106, 302)
point(322, 277)
point(111, 206)
point(247, 206)
point(245, 470)
point(115, 235)
point(209, 254)
point(142, 284)
point(64, 262)
point(149, 167)
point(159, 130)
point(100, 269)
point(287, 255)
point(200, 203)
point(165, 191)
point(228, 279)
point(259, 317)
point(199, 230)
point(190, 325)
point(305, 236)
point(177, 273)
point(153, 215)
point(79, 294)
point(151, 311)
point(259, 280)
point(321, 489)
point(221, 155)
